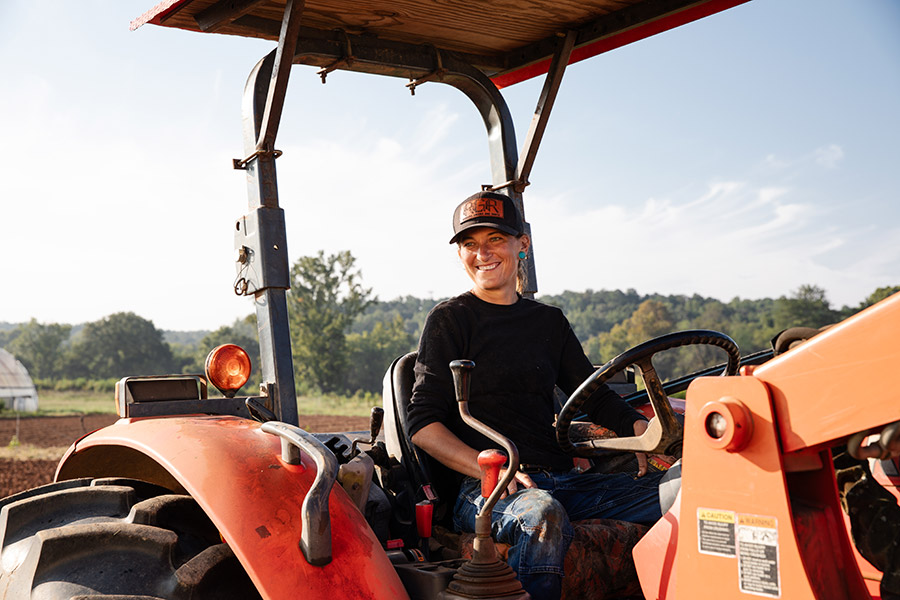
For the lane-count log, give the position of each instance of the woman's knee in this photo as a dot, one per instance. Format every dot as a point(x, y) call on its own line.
point(537, 511)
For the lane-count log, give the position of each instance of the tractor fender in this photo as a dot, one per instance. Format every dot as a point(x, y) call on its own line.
point(235, 472)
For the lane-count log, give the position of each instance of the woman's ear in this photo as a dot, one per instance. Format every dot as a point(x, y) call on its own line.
point(526, 242)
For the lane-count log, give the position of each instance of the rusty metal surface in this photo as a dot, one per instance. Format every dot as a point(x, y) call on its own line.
point(236, 474)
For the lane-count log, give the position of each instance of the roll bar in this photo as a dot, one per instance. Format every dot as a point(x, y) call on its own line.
point(263, 269)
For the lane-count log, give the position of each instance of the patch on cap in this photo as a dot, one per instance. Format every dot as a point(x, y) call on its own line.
point(479, 208)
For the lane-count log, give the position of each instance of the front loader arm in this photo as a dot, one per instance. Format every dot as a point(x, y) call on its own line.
point(759, 511)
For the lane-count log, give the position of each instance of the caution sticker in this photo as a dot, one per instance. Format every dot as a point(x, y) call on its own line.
point(757, 540)
point(715, 531)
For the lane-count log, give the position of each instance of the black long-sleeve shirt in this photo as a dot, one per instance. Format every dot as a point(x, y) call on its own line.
point(521, 351)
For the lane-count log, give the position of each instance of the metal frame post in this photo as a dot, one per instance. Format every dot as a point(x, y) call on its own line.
point(260, 236)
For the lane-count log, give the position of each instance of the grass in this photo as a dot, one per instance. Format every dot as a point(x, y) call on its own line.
point(29, 452)
point(355, 406)
point(55, 403)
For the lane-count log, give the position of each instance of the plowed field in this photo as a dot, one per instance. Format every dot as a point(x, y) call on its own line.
point(42, 441)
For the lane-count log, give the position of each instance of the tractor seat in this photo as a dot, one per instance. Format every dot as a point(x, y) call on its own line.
point(429, 478)
point(599, 559)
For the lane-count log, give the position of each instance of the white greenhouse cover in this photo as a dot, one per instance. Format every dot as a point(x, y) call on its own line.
point(17, 391)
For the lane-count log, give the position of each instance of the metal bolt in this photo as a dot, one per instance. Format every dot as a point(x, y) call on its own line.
point(716, 425)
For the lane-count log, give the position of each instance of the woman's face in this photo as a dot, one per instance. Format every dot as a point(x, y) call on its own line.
point(491, 259)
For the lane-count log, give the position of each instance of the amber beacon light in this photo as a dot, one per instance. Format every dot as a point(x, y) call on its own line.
point(228, 368)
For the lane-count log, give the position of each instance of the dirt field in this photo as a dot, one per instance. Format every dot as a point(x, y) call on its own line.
point(42, 441)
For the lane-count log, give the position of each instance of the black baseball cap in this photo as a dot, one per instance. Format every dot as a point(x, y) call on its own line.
point(487, 209)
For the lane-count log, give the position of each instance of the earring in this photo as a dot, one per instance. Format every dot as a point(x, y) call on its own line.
point(522, 255)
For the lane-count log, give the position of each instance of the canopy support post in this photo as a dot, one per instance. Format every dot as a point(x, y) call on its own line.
point(260, 236)
point(542, 110)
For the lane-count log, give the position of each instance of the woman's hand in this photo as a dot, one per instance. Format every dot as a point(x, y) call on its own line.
point(639, 428)
point(520, 481)
point(439, 442)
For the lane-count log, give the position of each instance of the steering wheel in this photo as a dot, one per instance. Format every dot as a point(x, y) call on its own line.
point(664, 432)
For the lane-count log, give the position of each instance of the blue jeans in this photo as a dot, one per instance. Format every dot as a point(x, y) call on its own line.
point(535, 523)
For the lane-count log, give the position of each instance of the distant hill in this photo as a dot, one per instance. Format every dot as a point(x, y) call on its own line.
point(185, 338)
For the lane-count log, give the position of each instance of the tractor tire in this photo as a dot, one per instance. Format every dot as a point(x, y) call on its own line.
point(113, 539)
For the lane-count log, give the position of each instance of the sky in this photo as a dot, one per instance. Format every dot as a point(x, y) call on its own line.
point(743, 155)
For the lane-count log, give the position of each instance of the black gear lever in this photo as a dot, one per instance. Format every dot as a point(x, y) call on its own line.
point(376, 418)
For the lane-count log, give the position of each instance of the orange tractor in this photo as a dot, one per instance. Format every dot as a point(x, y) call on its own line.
point(189, 496)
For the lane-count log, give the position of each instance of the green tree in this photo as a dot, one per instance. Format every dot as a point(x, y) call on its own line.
point(8, 333)
point(373, 351)
point(878, 295)
point(325, 297)
point(651, 319)
point(808, 306)
point(412, 309)
point(654, 318)
point(39, 347)
point(119, 345)
point(593, 312)
point(751, 323)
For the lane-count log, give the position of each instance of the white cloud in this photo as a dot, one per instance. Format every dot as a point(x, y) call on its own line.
point(119, 196)
point(386, 201)
point(829, 156)
point(735, 239)
point(774, 162)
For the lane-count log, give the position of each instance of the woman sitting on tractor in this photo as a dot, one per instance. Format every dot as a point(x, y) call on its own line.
point(522, 350)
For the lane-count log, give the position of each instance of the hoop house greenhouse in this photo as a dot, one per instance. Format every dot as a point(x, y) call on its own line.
point(17, 391)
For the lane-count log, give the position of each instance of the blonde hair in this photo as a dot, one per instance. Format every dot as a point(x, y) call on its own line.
point(522, 277)
point(522, 272)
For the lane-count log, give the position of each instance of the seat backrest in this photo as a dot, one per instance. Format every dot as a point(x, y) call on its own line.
point(429, 476)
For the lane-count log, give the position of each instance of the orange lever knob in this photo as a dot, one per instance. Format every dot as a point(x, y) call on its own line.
point(490, 462)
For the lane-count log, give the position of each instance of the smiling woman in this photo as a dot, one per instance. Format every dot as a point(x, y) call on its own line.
point(492, 244)
point(491, 259)
point(523, 349)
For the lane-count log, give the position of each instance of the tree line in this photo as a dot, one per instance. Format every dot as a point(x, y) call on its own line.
point(344, 337)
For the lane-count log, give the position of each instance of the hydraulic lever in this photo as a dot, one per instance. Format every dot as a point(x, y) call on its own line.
point(376, 418)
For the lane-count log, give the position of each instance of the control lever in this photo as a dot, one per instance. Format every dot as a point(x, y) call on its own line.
point(490, 462)
point(485, 575)
point(462, 370)
point(424, 514)
point(376, 418)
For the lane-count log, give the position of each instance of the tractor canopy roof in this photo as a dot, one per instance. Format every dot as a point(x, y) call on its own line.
point(509, 41)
